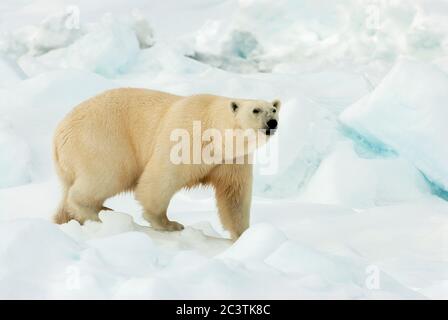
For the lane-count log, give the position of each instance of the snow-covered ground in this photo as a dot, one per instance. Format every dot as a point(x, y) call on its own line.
point(353, 205)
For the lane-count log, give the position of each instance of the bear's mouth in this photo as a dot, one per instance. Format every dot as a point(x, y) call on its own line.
point(271, 127)
point(269, 132)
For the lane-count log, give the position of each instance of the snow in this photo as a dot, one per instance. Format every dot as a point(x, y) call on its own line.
point(315, 34)
point(14, 159)
point(408, 115)
point(116, 47)
point(11, 73)
point(351, 205)
point(55, 31)
point(374, 181)
point(119, 259)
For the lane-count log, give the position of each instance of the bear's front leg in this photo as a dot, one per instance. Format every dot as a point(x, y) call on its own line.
point(154, 193)
point(233, 188)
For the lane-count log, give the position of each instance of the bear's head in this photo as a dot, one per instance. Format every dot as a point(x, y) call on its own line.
point(258, 115)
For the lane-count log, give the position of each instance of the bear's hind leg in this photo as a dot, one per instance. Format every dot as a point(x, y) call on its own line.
point(83, 202)
point(62, 215)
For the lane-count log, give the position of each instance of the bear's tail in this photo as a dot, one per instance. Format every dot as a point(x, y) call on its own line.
point(62, 215)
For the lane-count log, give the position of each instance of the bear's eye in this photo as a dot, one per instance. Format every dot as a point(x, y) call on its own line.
point(274, 110)
point(256, 111)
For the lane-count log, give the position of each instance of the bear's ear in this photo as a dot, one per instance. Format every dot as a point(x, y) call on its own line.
point(277, 104)
point(234, 106)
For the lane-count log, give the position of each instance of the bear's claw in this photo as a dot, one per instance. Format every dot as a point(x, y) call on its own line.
point(169, 226)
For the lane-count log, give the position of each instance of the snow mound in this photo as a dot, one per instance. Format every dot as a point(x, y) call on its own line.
point(108, 49)
point(268, 34)
point(292, 257)
point(113, 223)
point(345, 178)
point(256, 243)
point(14, 159)
point(161, 60)
point(142, 29)
point(19, 250)
point(322, 271)
point(147, 264)
point(56, 31)
point(10, 71)
point(407, 111)
point(130, 254)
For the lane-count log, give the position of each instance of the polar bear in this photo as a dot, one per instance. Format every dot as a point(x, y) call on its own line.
point(122, 140)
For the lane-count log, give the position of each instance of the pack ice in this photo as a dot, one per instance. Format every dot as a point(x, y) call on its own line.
point(408, 111)
point(348, 211)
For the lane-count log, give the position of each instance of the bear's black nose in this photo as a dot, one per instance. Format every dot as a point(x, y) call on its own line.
point(272, 124)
